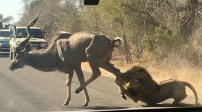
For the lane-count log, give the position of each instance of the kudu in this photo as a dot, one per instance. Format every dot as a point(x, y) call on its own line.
point(66, 52)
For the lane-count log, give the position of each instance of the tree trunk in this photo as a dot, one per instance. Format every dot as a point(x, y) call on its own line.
point(127, 56)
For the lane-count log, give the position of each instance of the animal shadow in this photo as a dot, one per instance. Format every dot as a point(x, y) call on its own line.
point(170, 105)
point(97, 107)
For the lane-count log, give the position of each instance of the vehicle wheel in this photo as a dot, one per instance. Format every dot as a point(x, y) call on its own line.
point(11, 54)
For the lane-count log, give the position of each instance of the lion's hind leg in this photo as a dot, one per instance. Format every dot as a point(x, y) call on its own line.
point(177, 101)
point(179, 93)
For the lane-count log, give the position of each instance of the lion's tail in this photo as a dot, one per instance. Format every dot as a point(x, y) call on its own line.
point(193, 89)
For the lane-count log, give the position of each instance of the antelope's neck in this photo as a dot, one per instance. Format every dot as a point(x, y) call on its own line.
point(41, 59)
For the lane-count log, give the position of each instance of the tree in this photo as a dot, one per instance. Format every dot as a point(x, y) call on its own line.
point(6, 19)
point(154, 27)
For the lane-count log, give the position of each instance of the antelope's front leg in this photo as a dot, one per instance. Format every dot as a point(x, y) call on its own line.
point(95, 74)
point(110, 68)
point(68, 84)
point(119, 83)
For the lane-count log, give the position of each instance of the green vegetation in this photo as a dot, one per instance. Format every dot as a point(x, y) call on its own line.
point(152, 29)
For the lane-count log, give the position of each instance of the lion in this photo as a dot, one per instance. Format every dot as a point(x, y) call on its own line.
point(139, 86)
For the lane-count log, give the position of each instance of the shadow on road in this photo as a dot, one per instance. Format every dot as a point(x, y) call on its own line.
point(95, 107)
point(4, 55)
point(170, 105)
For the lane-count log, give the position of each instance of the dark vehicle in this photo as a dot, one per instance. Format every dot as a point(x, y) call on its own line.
point(4, 41)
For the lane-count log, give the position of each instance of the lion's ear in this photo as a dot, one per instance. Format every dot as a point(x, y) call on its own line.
point(125, 77)
point(122, 75)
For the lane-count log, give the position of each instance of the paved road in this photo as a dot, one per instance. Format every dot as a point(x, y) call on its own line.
point(28, 89)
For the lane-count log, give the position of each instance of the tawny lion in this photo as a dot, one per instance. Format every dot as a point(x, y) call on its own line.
point(139, 86)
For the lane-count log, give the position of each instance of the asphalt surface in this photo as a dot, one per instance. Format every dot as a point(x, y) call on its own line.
point(28, 89)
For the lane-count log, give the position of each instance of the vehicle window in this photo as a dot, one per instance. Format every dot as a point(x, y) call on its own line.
point(36, 33)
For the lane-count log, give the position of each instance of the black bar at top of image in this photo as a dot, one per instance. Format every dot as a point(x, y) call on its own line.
point(91, 2)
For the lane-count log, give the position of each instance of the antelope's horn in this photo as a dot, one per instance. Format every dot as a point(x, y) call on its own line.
point(24, 42)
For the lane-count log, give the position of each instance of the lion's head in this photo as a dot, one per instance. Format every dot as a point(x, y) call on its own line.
point(137, 79)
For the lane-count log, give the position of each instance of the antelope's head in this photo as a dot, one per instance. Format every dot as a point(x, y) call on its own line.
point(19, 60)
point(22, 49)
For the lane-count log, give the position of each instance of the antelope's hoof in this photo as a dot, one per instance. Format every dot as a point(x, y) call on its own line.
point(86, 104)
point(124, 97)
point(66, 103)
point(78, 90)
point(123, 94)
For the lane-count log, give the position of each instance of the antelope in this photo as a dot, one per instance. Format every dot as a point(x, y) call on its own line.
point(66, 53)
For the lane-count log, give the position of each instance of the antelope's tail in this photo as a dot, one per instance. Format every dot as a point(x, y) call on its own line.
point(118, 39)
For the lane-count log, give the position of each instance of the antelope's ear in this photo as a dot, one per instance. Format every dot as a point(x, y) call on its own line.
point(28, 47)
point(62, 47)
